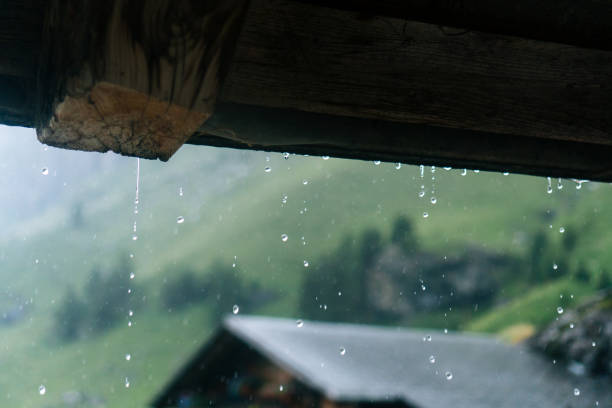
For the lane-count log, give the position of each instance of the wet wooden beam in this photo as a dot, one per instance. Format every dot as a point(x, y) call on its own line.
point(585, 23)
point(285, 130)
point(137, 77)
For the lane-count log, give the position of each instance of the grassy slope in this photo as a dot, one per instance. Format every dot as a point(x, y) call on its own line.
point(242, 216)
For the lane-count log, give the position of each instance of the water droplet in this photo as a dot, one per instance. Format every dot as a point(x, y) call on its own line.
point(576, 392)
point(432, 359)
point(433, 200)
point(421, 193)
point(134, 237)
point(268, 169)
point(464, 172)
point(130, 323)
point(128, 357)
point(398, 166)
point(342, 351)
point(132, 275)
point(448, 375)
point(549, 188)
point(285, 155)
point(127, 382)
point(284, 199)
point(476, 171)
point(423, 288)
point(284, 237)
point(445, 331)
point(305, 182)
point(131, 313)
point(559, 310)
point(571, 326)
point(325, 157)
point(306, 263)
point(44, 171)
point(428, 337)
point(180, 191)
point(376, 162)
point(299, 323)
point(562, 230)
point(36, 261)
point(425, 214)
point(555, 266)
point(447, 168)
point(505, 173)
point(235, 309)
point(42, 390)
point(593, 344)
point(559, 185)
point(281, 388)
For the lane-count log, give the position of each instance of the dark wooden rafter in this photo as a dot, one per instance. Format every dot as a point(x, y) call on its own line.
point(521, 86)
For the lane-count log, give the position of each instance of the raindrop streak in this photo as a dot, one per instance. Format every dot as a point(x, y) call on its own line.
point(549, 188)
point(284, 237)
point(432, 359)
point(342, 351)
point(299, 323)
point(180, 219)
point(449, 375)
point(42, 390)
point(44, 171)
point(235, 309)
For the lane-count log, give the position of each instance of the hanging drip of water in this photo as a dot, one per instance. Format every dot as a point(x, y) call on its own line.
point(433, 198)
point(422, 173)
point(549, 188)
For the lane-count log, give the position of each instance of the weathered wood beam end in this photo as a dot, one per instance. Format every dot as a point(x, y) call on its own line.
point(137, 77)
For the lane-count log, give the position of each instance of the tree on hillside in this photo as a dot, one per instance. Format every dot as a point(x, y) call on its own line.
point(403, 235)
point(69, 317)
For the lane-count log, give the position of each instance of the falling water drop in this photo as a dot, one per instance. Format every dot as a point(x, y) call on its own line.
point(281, 388)
point(425, 214)
point(304, 182)
point(433, 200)
point(464, 172)
point(422, 170)
point(555, 266)
point(432, 359)
point(130, 323)
point(180, 191)
point(131, 313)
point(44, 171)
point(180, 219)
point(268, 169)
point(448, 375)
point(559, 310)
point(286, 155)
point(42, 390)
point(376, 162)
point(422, 192)
point(325, 157)
point(134, 237)
point(306, 264)
point(505, 173)
point(559, 184)
point(576, 392)
point(235, 309)
point(342, 351)
point(447, 168)
point(549, 188)
point(132, 275)
point(398, 166)
point(284, 237)
point(127, 382)
point(299, 323)
point(562, 230)
point(128, 357)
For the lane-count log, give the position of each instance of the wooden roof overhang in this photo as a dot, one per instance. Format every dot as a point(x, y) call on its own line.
point(523, 86)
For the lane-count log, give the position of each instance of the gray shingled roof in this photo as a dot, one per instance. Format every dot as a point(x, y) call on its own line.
point(389, 363)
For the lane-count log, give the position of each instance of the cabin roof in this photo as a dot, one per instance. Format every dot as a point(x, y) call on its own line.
point(382, 364)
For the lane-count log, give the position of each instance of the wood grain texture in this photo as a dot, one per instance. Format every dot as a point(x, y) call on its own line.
point(584, 23)
point(149, 69)
point(294, 55)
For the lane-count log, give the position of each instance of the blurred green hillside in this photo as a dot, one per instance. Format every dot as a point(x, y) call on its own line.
point(59, 227)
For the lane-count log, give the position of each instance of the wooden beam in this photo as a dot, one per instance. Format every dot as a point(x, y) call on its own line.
point(316, 59)
point(137, 77)
point(584, 23)
point(285, 130)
